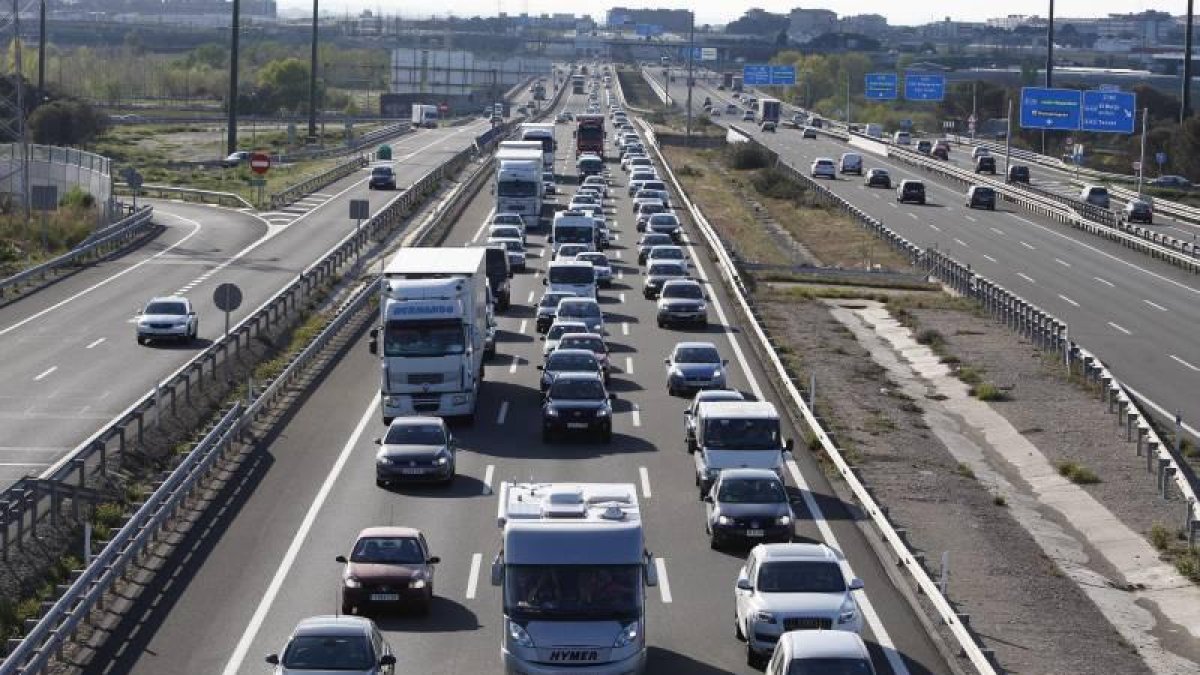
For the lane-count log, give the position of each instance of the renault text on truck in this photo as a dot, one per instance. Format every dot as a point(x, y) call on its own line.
point(519, 187)
point(424, 116)
point(434, 322)
point(734, 435)
point(768, 110)
point(589, 135)
point(542, 133)
point(573, 567)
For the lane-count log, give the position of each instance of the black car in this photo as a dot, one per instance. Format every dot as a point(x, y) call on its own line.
point(879, 178)
point(1018, 173)
point(498, 275)
point(911, 191)
point(577, 403)
point(981, 197)
point(985, 164)
point(1178, 182)
point(382, 178)
point(562, 361)
point(748, 506)
point(547, 309)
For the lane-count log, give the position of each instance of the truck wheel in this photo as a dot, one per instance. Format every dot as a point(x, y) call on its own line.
point(754, 659)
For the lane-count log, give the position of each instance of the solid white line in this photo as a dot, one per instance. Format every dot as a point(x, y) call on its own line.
point(473, 575)
point(934, 227)
point(1062, 262)
point(46, 372)
point(645, 482)
point(877, 628)
point(990, 257)
point(970, 219)
point(1160, 410)
point(1024, 220)
point(625, 327)
point(500, 416)
point(530, 299)
point(1031, 247)
point(637, 415)
point(289, 558)
point(524, 325)
point(997, 231)
point(1026, 277)
point(487, 479)
point(1072, 302)
point(1176, 358)
point(628, 365)
point(1123, 330)
point(95, 342)
point(483, 226)
point(664, 584)
point(512, 367)
point(962, 243)
point(1106, 283)
point(1155, 305)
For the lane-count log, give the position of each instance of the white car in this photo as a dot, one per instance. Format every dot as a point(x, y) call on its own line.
point(506, 232)
point(824, 167)
point(560, 328)
point(634, 162)
point(810, 651)
point(167, 318)
point(515, 249)
point(569, 251)
point(597, 182)
point(786, 587)
point(663, 253)
point(344, 644)
point(514, 219)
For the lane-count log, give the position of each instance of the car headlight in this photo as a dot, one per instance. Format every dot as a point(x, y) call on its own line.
point(675, 372)
point(519, 635)
point(701, 307)
point(783, 520)
point(416, 583)
point(602, 412)
point(724, 520)
point(764, 617)
point(717, 372)
point(629, 634)
point(848, 611)
point(441, 460)
point(551, 412)
point(352, 582)
point(383, 459)
point(391, 400)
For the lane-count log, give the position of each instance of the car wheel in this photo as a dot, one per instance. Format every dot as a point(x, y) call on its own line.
point(754, 659)
point(347, 609)
point(738, 633)
point(387, 421)
point(714, 543)
point(379, 482)
point(660, 323)
point(141, 340)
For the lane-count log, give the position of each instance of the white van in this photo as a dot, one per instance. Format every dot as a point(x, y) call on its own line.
point(1096, 195)
point(902, 138)
point(571, 276)
point(736, 435)
point(852, 163)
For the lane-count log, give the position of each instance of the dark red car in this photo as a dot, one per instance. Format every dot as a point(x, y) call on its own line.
point(389, 568)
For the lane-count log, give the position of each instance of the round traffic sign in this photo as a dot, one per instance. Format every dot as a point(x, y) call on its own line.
point(442, 107)
point(227, 297)
point(260, 162)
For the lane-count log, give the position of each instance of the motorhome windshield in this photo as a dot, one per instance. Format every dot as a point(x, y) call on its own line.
point(741, 434)
point(572, 592)
point(575, 274)
point(573, 234)
point(439, 337)
point(517, 188)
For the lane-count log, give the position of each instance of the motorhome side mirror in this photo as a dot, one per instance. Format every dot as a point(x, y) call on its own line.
point(433, 560)
point(667, 361)
point(373, 346)
point(387, 660)
point(856, 584)
point(724, 362)
point(612, 397)
point(497, 572)
point(744, 585)
point(273, 659)
point(541, 367)
point(544, 282)
point(341, 559)
point(651, 570)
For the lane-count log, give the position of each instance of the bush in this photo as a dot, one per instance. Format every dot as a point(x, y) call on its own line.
point(1077, 473)
point(688, 170)
point(1160, 536)
point(745, 156)
point(930, 337)
point(76, 197)
point(989, 392)
point(970, 375)
point(999, 500)
point(776, 184)
point(1188, 564)
point(964, 470)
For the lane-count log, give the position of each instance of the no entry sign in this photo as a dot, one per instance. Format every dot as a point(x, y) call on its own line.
point(260, 162)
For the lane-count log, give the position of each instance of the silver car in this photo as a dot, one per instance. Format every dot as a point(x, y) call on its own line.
point(583, 310)
point(419, 449)
point(601, 264)
point(169, 318)
point(335, 645)
point(693, 366)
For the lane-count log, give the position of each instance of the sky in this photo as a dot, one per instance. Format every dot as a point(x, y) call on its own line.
point(719, 12)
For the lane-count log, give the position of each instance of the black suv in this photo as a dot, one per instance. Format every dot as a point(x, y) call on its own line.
point(579, 403)
point(382, 178)
point(981, 197)
point(911, 191)
point(985, 164)
point(1018, 173)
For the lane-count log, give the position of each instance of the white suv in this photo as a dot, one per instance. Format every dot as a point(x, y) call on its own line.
point(168, 318)
point(785, 587)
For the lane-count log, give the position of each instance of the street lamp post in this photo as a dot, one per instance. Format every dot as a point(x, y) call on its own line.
point(231, 131)
point(312, 78)
point(1185, 103)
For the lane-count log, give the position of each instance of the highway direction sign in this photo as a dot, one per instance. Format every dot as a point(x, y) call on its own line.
point(1109, 111)
point(1050, 109)
point(881, 86)
point(756, 75)
point(1160, 158)
point(922, 87)
point(260, 162)
point(783, 75)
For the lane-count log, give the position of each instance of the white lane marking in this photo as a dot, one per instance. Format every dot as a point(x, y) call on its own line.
point(487, 479)
point(33, 317)
point(1155, 305)
point(500, 416)
point(962, 243)
point(664, 584)
point(473, 575)
point(483, 226)
point(877, 628)
point(637, 415)
point(1024, 220)
point(997, 231)
point(970, 218)
point(46, 372)
point(622, 297)
point(523, 326)
point(990, 258)
point(934, 227)
point(645, 482)
point(95, 343)
point(289, 558)
point(512, 367)
point(620, 274)
point(1106, 283)
point(529, 300)
point(617, 255)
point(1031, 247)
point(1026, 277)
point(1123, 330)
point(628, 365)
point(893, 205)
point(1179, 360)
point(1068, 300)
point(1062, 262)
point(913, 216)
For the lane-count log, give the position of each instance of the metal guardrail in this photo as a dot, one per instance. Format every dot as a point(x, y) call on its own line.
point(187, 194)
point(118, 234)
point(292, 193)
point(57, 626)
point(905, 557)
point(1174, 209)
point(356, 144)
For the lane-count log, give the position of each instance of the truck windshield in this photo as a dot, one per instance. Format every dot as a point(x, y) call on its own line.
point(580, 592)
point(741, 434)
point(573, 234)
point(517, 188)
point(423, 338)
point(591, 133)
point(575, 274)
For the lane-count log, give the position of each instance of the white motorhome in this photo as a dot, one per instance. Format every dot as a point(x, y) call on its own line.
point(519, 187)
point(573, 567)
point(542, 133)
point(433, 331)
point(735, 435)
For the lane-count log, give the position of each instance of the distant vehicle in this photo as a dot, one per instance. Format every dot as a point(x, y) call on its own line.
point(1171, 181)
point(769, 110)
point(732, 109)
point(167, 318)
point(1096, 195)
point(343, 644)
point(924, 147)
point(592, 342)
point(878, 178)
point(874, 130)
point(558, 329)
point(809, 132)
point(985, 164)
point(649, 241)
point(1139, 211)
point(424, 116)
point(382, 178)
point(417, 448)
point(601, 265)
point(941, 151)
point(584, 310)
point(547, 308)
point(1018, 173)
point(682, 301)
point(911, 191)
point(979, 151)
point(811, 651)
point(236, 158)
point(499, 275)
point(824, 167)
point(658, 274)
point(689, 415)
point(981, 197)
point(852, 162)
point(748, 116)
point(566, 360)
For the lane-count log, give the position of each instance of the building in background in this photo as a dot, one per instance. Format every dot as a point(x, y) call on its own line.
point(872, 25)
point(807, 24)
point(181, 12)
point(671, 20)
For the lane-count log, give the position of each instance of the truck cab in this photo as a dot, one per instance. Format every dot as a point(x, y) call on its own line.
point(518, 181)
point(736, 434)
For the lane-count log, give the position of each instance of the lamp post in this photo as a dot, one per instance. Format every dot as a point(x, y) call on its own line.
point(312, 78)
point(1185, 103)
point(231, 103)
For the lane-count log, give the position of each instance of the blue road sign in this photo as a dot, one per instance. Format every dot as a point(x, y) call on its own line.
point(1109, 111)
point(1110, 87)
point(1043, 108)
point(881, 86)
point(921, 87)
point(756, 75)
point(1160, 158)
point(783, 75)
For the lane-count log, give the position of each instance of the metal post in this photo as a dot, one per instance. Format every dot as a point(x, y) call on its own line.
point(974, 109)
point(231, 100)
point(1178, 432)
point(87, 543)
point(1007, 140)
point(691, 65)
point(1185, 99)
point(812, 392)
point(847, 100)
point(1050, 52)
point(312, 78)
point(1142, 159)
point(944, 577)
point(42, 52)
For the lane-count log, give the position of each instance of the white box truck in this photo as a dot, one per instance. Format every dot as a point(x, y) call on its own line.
point(433, 331)
point(573, 567)
point(425, 116)
point(542, 133)
point(769, 110)
point(519, 187)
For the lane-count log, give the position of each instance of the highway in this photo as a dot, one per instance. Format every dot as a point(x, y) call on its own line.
point(71, 361)
point(263, 558)
point(1137, 314)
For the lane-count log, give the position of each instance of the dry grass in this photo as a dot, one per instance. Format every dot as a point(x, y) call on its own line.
point(21, 240)
point(835, 239)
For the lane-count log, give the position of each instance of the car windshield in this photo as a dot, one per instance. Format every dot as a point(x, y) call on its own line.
point(801, 576)
point(507, 219)
point(697, 355)
point(415, 434)
point(388, 551)
point(177, 308)
point(423, 338)
point(666, 253)
point(656, 240)
point(666, 270)
point(514, 245)
point(751, 491)
point(583, 198)
point(573, 234)
point(329, 652)
point(573, 274)
point(590, 165)
point(548, 176)
point(552, 299)
point(572, 591)
point(559, 362)
point(589, 343)
point(517, 188)
point(585, 309)
point(597, 259)
point(558, 330)
point(381, 171)
point(651, 208)
point(742, 434)
point(829, 666)
point(678, 290)
point(505, 232)
point(574, 389)
point(663, 219)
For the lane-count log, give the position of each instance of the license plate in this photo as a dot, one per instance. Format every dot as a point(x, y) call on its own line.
point(412, 472)
point(384, 597)
point(754, 533)
point(577, 425)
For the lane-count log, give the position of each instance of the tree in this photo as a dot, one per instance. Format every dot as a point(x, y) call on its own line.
point(66, 122)
point(1185, 148)
point(287, 79)
point(1163, 106)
